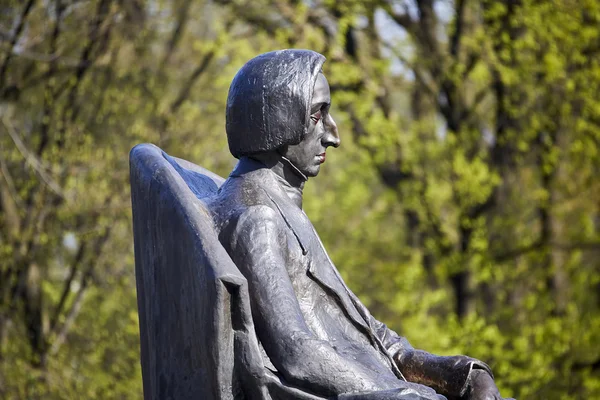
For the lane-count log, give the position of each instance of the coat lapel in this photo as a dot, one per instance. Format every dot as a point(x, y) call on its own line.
point(320, 266)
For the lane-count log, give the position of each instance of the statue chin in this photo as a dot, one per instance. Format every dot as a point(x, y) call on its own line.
point(313, 172)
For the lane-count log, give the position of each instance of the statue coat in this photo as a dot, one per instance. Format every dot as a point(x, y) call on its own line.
point(315, 334)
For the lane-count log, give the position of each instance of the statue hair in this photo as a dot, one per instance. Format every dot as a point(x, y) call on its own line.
point(269, 99)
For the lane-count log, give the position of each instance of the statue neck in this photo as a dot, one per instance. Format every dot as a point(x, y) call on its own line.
point(291, 178)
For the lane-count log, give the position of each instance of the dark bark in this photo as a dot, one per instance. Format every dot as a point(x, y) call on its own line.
point(14, 38)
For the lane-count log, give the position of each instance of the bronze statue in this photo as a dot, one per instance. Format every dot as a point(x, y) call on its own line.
point(305, 334)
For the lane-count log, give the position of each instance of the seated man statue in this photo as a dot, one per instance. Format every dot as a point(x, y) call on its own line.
point(300, 333)
point(314, 330)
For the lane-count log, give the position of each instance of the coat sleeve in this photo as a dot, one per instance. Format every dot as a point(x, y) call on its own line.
point(258, 246)
point(448, 375)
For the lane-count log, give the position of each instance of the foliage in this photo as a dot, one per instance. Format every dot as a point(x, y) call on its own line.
point(464, 195)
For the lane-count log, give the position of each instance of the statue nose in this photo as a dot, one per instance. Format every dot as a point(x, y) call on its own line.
point(332, 137)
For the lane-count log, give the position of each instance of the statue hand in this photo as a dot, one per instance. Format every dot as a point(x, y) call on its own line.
point(483, 387)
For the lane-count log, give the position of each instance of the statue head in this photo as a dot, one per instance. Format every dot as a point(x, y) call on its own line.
point(279, 101)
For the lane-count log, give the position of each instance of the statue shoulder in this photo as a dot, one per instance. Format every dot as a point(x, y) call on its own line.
point(258, 215)
point(243, 210)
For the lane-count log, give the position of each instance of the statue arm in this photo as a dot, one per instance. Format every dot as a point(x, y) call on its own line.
point(448, 375)
point(259, 249)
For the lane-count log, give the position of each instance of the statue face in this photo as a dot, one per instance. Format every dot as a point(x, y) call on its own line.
point(322, 132)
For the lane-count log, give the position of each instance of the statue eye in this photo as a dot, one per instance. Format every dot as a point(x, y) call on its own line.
point(316, 117)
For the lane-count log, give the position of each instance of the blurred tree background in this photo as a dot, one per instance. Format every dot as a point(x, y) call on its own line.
point(463, 206)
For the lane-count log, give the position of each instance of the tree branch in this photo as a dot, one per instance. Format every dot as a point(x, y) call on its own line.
point(86, 60)
point(49, 94)
point(10, 190)
point(182, 19)
point(78, 301)
point(73, 312)
point(14, 39)
point(468, 112)
point(32, 160)
point(189, 83)
point(402, 19)
point(67, 287)
point(458, 31)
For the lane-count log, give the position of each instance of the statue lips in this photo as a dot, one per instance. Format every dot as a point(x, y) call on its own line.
point(322, 157)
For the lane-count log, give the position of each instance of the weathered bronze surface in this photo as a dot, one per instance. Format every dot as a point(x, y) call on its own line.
point(237, 295)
